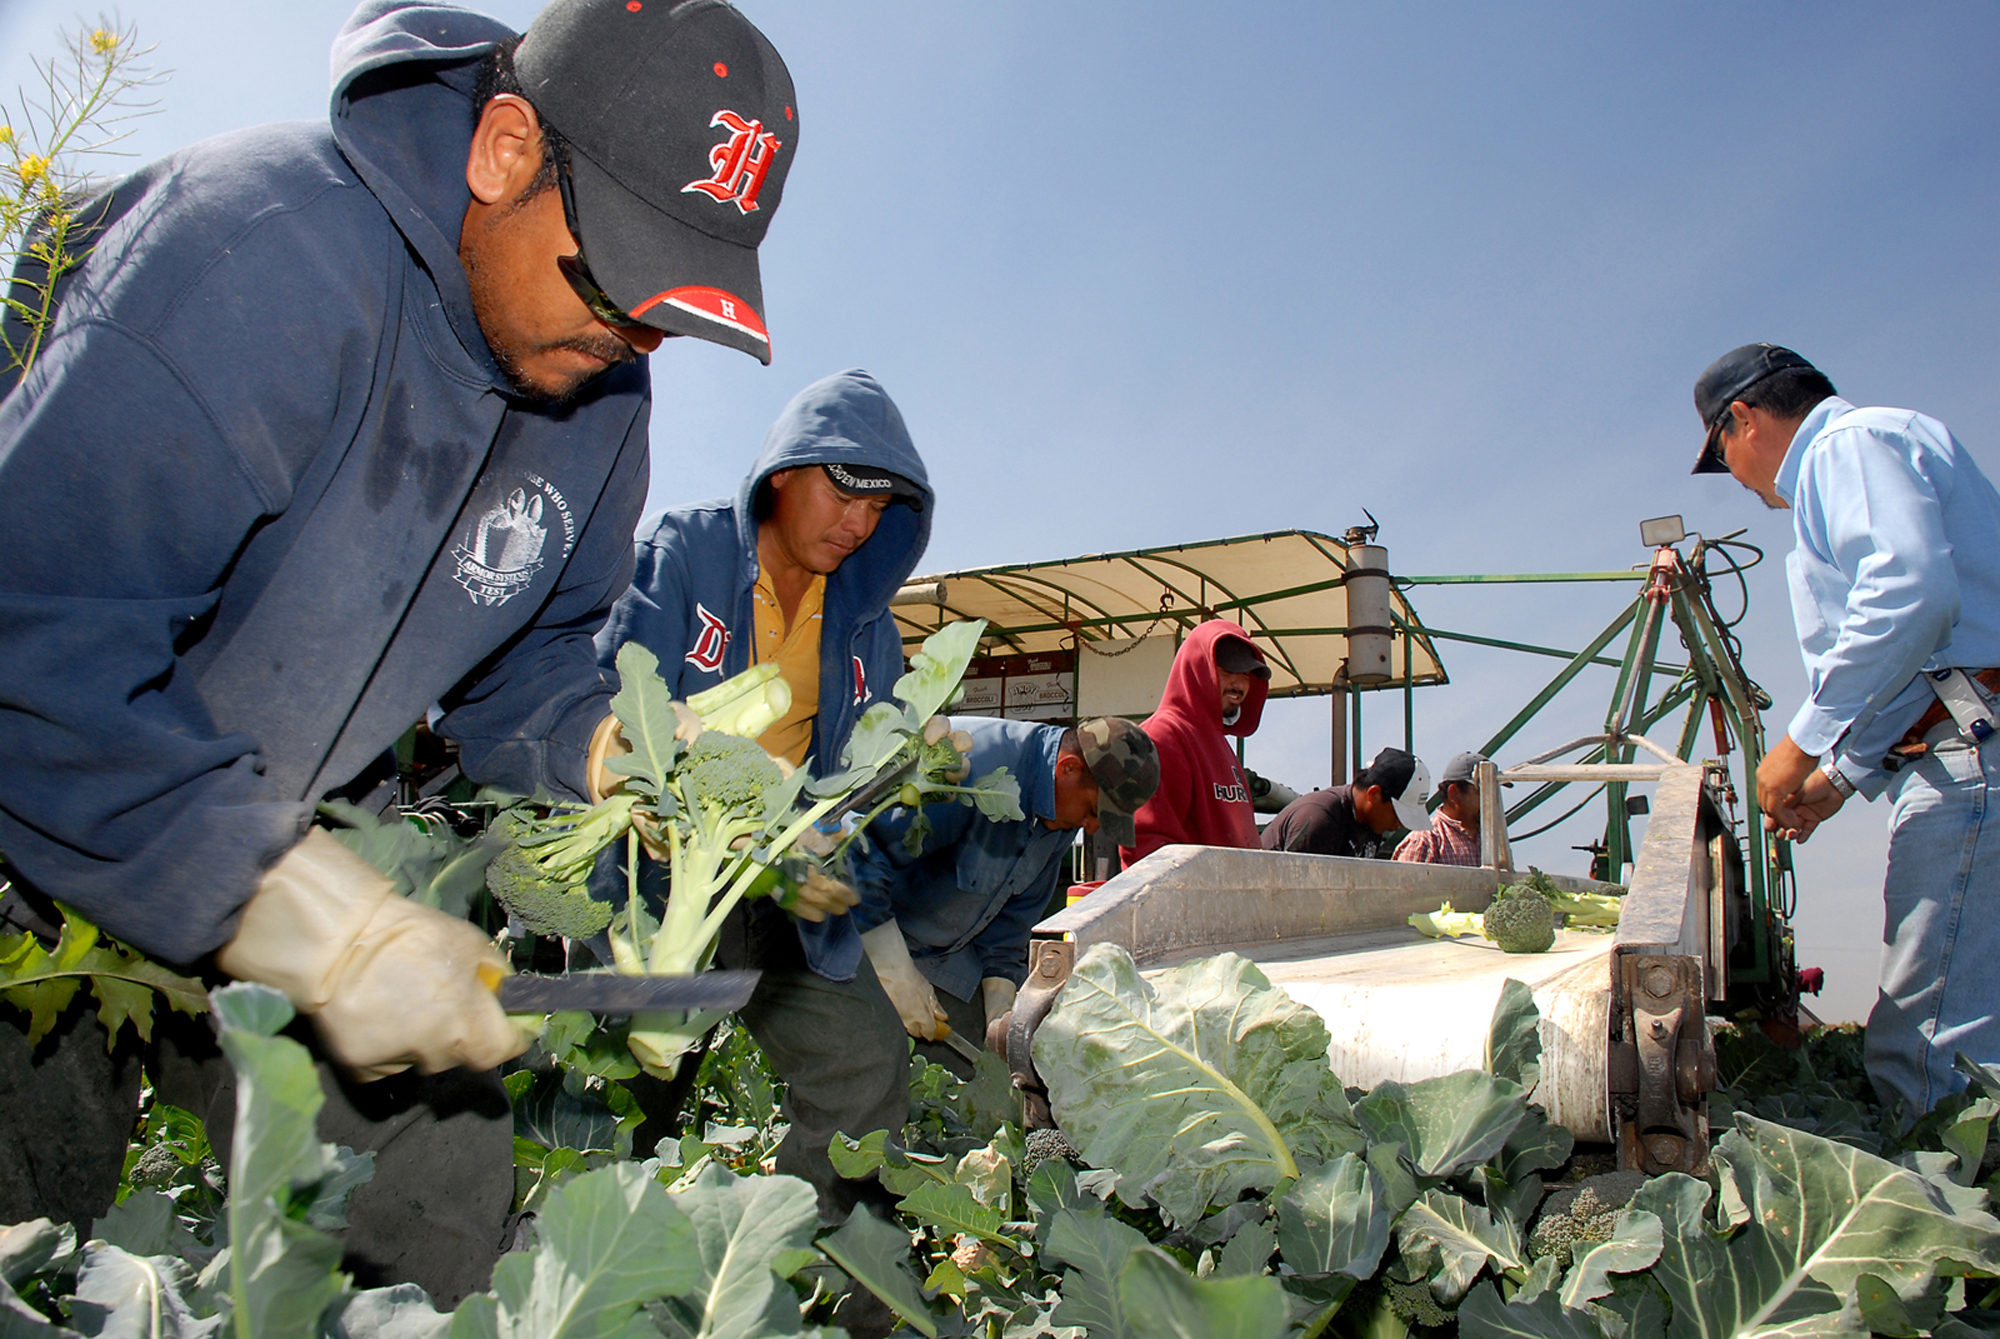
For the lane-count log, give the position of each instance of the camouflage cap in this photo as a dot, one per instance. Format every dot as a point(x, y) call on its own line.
point(1126, 766)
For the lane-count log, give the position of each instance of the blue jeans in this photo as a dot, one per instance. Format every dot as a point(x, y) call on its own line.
point(1940, 991)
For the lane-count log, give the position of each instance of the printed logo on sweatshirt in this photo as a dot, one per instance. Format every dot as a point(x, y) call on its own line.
point(860, 682)
point(741, 162)
point(709, 643)
point(501, 551)
point(1231, 793)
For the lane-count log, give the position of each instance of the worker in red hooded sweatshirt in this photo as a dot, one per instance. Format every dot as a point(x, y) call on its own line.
point(1216, 689)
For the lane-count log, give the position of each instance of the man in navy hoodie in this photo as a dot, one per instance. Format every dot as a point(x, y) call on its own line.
point(336, 423)
point(798, 568)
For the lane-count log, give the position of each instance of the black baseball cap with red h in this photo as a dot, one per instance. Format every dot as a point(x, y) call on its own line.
point(681, 123)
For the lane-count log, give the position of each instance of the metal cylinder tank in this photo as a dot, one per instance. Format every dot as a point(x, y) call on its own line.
point(1368, 603)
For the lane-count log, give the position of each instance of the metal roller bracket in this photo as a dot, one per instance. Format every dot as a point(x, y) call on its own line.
point(1049, 964)
point(1662, 1065)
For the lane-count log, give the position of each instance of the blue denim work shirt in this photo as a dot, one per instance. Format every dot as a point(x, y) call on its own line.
point(1896, 570)
point(967, 901)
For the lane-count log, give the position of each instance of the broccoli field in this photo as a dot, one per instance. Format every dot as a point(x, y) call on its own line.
point(1212, 1177)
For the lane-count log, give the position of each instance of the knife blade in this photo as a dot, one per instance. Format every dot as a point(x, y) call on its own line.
point(615, 993)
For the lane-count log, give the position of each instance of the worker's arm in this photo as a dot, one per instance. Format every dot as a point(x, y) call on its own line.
point(126, 502)
point(654, 610)
point(1869, 519)
point(524, 722)
point(1003, 945)
point(885, 874)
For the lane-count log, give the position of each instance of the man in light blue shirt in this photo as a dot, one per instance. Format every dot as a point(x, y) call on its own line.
point(1895, 575)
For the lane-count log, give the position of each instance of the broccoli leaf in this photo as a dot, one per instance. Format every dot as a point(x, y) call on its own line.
point(876, 737)
point(1096, 1247)
point(936, 669)
point(1514, 1040)
point(1817, 1216)
point(1635, 1245)
point(645, 712)
point(1447, 1240)
point(1195, 1086)
point(741, 1226)
point(42, 981)
point(119, 1293)
point(1485, 1316)
point(280, 1271)
point(1335, 1220)
point(876, 1256)
point(608, 1241)
point(1161, 1298)
point(1448, 1124)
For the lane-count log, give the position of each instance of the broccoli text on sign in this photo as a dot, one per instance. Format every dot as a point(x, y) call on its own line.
point(740, 162)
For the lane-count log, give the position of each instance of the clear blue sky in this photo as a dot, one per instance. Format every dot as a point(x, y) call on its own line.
point(1143, 273)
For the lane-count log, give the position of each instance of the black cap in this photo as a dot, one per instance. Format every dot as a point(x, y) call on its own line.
point(1724, 383)
point(681, 123)
point(1233, 655)
point(869, 480)
point(1463, 768)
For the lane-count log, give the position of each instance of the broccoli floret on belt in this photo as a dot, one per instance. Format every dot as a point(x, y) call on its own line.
point(1520, 921)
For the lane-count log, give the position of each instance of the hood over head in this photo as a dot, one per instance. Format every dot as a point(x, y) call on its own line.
point(848, 418)
point(403, 84)
point(1194, 688)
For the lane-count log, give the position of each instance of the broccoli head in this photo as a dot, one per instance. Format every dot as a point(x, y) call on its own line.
point(545, 904)
point(1046, 1145)
point(1520, 921)
point(727, 772)
point(1414, 1304)
point(1581, 1224)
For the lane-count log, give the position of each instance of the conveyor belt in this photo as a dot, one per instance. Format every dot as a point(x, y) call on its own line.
point(1401, 1006)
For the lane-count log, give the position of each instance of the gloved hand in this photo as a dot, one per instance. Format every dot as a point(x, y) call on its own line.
point(607, 741)
point(818, 896)
point(916, 1003)
point(997, 994)
point(389, 982)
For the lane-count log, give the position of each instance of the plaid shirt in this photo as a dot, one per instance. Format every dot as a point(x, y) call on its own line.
point(1449, 842)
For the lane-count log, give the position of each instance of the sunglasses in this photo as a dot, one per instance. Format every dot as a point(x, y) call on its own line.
point(577, 271)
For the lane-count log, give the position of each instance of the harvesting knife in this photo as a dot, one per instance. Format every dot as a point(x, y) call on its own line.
point(616, 993)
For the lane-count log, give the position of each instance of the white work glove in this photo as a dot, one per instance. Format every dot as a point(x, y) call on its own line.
point(389, 982)
point(818, 896)
point(997, 994)
point(916, 1003)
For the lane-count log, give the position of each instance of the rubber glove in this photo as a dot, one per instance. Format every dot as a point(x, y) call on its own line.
point(916, 1003)
point(997, 994)
point(818, 896)
point(389, 982)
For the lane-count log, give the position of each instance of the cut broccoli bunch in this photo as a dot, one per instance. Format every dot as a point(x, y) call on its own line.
point(1596, 911)
point(728, 820)
point(1520, 920)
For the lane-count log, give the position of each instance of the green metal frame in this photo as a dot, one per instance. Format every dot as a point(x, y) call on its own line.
point(1711, 686)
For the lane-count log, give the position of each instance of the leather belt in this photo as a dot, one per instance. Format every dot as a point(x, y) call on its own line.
point(1912, 745)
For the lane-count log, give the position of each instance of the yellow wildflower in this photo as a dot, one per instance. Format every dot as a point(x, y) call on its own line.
point(32, 169)
point(103, 40)
point(6, 135)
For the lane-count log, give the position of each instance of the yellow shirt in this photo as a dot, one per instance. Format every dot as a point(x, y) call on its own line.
point(796, 650)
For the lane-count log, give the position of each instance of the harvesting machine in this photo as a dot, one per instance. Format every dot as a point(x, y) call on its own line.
point(1625, 1017)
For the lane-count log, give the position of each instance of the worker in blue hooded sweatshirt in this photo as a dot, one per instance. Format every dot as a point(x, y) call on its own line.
point(336, 423)
point(797, 569)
